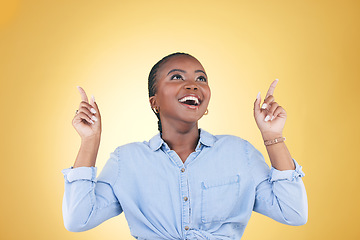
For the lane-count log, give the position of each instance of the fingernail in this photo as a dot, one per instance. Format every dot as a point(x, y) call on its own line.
point(277, 79)
point(267, 118)
point(92, 121)
point(93, 98)
point(94, 118)
point(258, 95)
point(272, 118)
point(93, 110)
point(264, 106)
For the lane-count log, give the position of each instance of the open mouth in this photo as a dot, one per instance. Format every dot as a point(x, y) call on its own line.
point(191, 101)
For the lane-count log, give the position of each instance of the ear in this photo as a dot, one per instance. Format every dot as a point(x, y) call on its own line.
point(152, 101)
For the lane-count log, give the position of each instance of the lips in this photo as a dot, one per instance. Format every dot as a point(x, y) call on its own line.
point(190, 100)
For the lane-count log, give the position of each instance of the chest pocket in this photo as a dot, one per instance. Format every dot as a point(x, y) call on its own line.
point(219, 198)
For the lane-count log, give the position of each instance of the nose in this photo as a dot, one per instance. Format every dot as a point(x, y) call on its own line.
point(191, 86)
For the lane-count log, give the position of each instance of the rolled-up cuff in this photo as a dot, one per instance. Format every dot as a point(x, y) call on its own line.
point(290, 175)
point(80, 173)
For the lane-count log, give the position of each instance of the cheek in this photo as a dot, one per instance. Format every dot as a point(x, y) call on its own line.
point(207, 92)
point(166, 96)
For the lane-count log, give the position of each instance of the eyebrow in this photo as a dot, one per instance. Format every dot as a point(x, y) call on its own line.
point(180, 70)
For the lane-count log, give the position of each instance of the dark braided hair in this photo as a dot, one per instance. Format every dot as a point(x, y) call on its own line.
point(152, 80)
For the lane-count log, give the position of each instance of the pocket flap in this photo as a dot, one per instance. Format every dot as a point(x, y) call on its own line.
point(220, 181)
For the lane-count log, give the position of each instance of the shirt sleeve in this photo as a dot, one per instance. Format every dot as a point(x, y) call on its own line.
point(89, 201)
point(279, 195)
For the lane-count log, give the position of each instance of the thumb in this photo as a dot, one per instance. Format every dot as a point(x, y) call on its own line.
point(257, 104)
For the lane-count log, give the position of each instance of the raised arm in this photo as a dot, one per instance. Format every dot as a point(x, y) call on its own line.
point(280, 192)
point(89, 201)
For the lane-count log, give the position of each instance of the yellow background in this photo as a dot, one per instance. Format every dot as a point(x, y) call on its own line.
point(47, 48)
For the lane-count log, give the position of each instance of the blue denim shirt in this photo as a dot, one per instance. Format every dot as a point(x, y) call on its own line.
point(210, 196)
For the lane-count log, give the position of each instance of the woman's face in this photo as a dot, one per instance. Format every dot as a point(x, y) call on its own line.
point(182, 90)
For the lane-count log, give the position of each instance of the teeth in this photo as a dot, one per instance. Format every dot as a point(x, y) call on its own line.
point(189, 98)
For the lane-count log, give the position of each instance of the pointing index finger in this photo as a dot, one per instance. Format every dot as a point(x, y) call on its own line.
point(83, 94)
point(271, 88)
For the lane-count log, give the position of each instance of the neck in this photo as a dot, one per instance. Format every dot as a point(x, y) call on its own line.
point(180, 137)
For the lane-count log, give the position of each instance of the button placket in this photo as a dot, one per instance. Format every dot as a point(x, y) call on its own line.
point(185, 198)
point(184, 184)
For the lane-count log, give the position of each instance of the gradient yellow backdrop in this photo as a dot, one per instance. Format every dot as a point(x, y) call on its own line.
point(47, 48)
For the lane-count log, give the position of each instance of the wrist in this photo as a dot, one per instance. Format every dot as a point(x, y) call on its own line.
point(269, 135)
point(91, 139)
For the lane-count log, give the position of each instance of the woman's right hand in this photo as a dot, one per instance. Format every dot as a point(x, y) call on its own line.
point(87, 121)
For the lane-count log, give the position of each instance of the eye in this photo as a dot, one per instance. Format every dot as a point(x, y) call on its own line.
point(202, 79)
point(176, 76)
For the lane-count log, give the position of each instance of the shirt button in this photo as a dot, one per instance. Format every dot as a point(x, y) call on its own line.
point(185, 199)
point(183, 169)
point(187, 228)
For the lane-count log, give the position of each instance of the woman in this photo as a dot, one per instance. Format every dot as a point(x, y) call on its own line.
point(184, 183)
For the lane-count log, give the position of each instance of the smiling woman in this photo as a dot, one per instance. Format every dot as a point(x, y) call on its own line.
point(160, 78)
point(179, 92)
point(184, 183)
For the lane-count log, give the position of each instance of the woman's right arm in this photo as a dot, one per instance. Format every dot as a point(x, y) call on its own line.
point(89, 201)
point(87, 122)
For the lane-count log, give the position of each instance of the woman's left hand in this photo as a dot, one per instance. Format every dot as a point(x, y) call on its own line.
point(270, 117)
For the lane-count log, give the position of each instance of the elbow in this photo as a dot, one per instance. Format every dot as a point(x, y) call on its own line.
point(303, 218)
point(76, 221)
point(299, 222)
point(298, 219)
point(73, 226)
point(301, 215)
point(303, 222)
point(298, 215)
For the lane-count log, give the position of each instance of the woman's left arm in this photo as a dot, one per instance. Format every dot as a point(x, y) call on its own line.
point(280, 192)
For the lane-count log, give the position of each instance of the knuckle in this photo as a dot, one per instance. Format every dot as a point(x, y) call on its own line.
point(84, 109)
point(275, 105)
point(83, 103)
point(84, 115)
point(268, 99)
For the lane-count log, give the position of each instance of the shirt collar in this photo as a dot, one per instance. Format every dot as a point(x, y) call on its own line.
point(206, 139)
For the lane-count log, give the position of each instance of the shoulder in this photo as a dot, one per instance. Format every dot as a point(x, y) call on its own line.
point(237, 143)
point(222, 140)
point(230, 140)
point(130, 148)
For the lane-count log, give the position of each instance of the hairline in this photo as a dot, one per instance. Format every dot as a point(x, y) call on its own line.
point(169, 58)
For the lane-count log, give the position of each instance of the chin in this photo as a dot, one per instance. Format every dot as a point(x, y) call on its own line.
point(191, 119)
